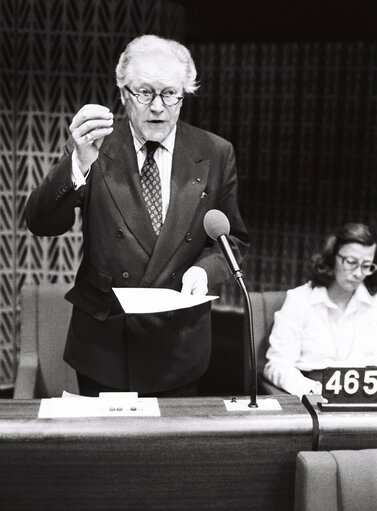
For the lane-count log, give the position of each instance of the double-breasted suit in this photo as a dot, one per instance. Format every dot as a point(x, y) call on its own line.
point(142, 352)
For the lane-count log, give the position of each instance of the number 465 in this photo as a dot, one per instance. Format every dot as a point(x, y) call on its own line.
point(351, 382)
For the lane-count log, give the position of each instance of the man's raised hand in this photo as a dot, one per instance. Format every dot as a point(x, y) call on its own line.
point(88, 128)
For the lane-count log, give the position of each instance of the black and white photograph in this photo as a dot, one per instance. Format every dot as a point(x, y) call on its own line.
point(188, 255)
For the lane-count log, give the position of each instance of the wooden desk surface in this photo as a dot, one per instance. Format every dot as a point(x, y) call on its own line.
point(195, 456)
point(341, 430)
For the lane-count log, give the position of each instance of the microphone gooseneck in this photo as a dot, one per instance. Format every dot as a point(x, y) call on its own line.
point(217, 227)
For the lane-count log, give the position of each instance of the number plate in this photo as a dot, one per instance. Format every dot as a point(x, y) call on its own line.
point(350, 384)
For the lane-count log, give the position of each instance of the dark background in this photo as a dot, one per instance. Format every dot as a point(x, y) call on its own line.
point(279, 20)
point(292, 84)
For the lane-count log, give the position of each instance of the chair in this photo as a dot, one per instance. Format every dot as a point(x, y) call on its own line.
point(226, 372)
point(45, 316)
point(272, 302)
point(336, 480)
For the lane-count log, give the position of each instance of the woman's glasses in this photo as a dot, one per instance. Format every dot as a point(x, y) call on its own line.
point(350, 264)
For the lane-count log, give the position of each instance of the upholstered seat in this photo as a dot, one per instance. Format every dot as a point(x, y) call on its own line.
point(45, 316)
point(336, 480)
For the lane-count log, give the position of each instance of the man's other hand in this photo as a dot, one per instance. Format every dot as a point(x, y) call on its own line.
point(195, 281)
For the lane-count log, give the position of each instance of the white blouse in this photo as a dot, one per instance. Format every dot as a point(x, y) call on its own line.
point(311, 332)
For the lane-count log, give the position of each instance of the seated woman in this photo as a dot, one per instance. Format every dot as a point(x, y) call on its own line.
point(332, 319)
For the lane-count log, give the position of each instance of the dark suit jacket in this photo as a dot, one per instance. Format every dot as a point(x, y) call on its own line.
point(149, 352)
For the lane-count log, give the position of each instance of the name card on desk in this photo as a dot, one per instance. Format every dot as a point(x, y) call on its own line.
point(352, 388)
point(107, 404)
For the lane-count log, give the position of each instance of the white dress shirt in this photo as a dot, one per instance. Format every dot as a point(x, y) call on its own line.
point(311, 332)
point(163, 157)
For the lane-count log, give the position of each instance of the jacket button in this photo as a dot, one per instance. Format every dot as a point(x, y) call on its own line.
point(188, 237)
point(173, 275)
point(120, 233)
point(125, 275)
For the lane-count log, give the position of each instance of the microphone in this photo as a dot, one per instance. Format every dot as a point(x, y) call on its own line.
point(217, 227)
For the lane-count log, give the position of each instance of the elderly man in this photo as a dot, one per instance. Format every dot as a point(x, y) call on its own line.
point(143, 185)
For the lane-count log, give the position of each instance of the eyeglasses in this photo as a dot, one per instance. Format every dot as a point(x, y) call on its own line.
point(350, 264)
point(168, 96)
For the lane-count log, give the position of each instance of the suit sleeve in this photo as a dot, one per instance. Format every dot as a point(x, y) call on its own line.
point(50, 210)
point(212, 259)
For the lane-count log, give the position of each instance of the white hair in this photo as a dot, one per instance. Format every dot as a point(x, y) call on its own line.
point(147, 44)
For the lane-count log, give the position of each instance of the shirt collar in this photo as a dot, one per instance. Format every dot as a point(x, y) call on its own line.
point(362, 295)
point(167, 143)
point(320, 295)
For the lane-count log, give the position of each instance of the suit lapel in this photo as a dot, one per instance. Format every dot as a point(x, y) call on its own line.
point(188, 181)
point(122, 178)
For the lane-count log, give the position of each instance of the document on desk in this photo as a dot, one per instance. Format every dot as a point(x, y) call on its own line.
point(107, 404)
point(145, 300)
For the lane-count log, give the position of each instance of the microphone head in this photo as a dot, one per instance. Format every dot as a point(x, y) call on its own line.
point(216, 223)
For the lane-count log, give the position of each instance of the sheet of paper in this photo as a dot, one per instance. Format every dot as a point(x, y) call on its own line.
point(108, 404)
point(141, 300)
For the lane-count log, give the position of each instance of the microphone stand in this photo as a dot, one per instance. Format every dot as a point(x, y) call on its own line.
point(248, 329)
point(248, 339)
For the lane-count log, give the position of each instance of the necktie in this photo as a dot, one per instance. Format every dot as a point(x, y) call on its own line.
point(151, 187)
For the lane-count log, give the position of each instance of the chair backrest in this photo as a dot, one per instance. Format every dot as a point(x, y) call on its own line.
point(258, 310)
point(272, 302)
point(45, 317)
point(226, 373)
point(336, 480)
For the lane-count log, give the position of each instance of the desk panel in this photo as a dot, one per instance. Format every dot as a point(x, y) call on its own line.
point(195, 456)
point(341, 430)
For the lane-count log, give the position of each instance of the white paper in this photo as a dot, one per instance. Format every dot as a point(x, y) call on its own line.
point(137, 300)
point(107, 404)
point(242, 405)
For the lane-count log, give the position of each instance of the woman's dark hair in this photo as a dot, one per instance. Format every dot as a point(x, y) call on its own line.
point(324, 262)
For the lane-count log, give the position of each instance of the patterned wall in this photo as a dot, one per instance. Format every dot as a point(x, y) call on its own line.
point(302, 117)
point(57, 55)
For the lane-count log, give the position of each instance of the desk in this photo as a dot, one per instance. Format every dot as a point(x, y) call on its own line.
point(341, 430)
point(195, 456)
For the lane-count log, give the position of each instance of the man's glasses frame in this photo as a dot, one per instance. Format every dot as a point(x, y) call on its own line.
point(146, 97)
point(351, 264)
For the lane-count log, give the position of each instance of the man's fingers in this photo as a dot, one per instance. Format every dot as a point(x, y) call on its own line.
point(81, 137)
point(192, 287)
point(92, 125)
point(195, 281)
point(94, 137)
point(186, 288)
point(90, 113)
point(200, 290)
